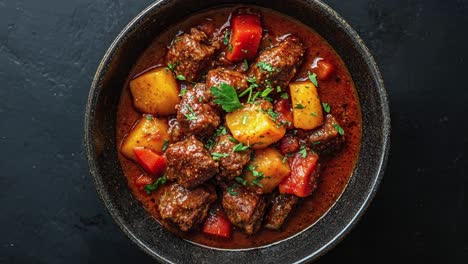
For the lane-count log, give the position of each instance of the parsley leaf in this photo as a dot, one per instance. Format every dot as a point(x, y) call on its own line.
point(303, 152)
point(172, 66)
point(149, 117)
point(266, 92)
point(313, 114)
point(278, 89)
point(183, 91)
point(226, 96)
point(284, 96)
point(231, 191)
point(266, 67)
point(180, 77)
point(230, 47)
point(227, 33)
point(232, 139)
point(299, 106)
point(326, 107)
point(165, 145)
point(192, 116)
point(241, 180)
point(240, 147)
point(221, 131)
point(244, 119)
point(339, 129)
point(210, 144)
point(313, 78)
point(154, 186)
point(217, 156)
point(246, 64)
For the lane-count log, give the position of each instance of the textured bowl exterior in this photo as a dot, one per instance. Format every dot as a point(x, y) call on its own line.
point(141, 228)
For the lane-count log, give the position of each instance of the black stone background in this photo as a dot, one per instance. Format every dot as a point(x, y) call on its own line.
point(49, 209)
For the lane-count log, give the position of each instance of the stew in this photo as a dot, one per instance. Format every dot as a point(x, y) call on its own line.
point(238, 127)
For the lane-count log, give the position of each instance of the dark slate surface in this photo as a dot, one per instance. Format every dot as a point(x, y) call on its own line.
point(50, 212)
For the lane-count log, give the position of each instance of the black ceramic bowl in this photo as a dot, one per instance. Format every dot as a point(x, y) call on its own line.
point(140, 227)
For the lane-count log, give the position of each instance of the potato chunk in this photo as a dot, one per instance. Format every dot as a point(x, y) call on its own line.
point(150, 132)
point(307, 108)
point(252, 125)
point(266, 170)
point(155, 92)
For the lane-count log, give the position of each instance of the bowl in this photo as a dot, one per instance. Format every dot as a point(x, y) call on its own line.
point(141, 228)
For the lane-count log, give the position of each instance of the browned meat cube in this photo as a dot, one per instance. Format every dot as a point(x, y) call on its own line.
point(222, 75)
point(233, 164)
point(326, 137)
point(186, 208)
point(278, 64)
point(195, 114)
point(189, 163)
point(190, 53)
point(244, 209)
point(281, 207)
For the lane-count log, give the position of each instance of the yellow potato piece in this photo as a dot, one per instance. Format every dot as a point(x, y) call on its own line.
point(252, 126)
point(150, 132)
point(268, 161)
point(155, 92)
point(307, 108)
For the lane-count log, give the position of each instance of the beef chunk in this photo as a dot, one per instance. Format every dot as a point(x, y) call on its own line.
point(186, 208)
point(189, 163)
point(326, 138)
point(195, 112)
point(222, 75)
point(244, 209)
point(281, 207)
point(278, 64)
point(232, 165)
point(192, 53)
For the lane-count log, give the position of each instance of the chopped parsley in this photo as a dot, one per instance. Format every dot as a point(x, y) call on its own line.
point(172, 66)
point(154, 186)
point(278, 89)
point(180, 77)
point(183, 91)
point(326, 107)
point(226, 96)
point(149, 117)
point(231, 191)
point(258, 176)
point(313, 114)
point(227, 34)
point(240, 147)
point(246, 64)
point(266, 92)
point(232, 139)
point(221, 131)
point(315, 143)
point(253, 85)
point(284, 96)
point(165, 145)
point(241, 180)
point(210, 144)
point(313, 78)
point(303, 152)
point(217, 156)
point(339, 129)
point(230, 47)
point(192, 116)
point(266, 67)
point(299, 106)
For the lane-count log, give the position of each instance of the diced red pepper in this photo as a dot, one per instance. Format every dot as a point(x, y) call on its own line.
point(298, 182)
point(289, 144)
point(245, 37)
point(283, 108)
point(324, 70)
point(151, 162)
point(217, 224)
point(143, 180)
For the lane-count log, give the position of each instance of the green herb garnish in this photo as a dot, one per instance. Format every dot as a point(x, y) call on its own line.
point(149, 117)
point(226, 96)
point(192, 116)
point(266, 67)
point(284, 96)
point(241, 180)
point(246, 64)
point(231, 191)
point(299, 106)
point(339, 129)
point(240, 147)
point(172, 66)
point(180, 77)
point(313, 78)
point(303, 152)
point(165, 145)
point(154, 186)
point(227, 33)
point(221, 130)
point(326, 107)
point(313, 114)
point(217, 156)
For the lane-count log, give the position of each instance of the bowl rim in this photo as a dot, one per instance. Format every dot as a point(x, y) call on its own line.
point(373, 188)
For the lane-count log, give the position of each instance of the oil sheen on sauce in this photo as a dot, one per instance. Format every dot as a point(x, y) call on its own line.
point(337, 91)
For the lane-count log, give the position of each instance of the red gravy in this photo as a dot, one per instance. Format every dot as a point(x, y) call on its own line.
point(339, 92)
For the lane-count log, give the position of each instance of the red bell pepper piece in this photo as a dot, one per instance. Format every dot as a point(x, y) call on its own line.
point(324, 69)
point(217, 224)
point(283, 108)
point(143, 180)
point(245, 37)
point(298, 182)
point(151, 162)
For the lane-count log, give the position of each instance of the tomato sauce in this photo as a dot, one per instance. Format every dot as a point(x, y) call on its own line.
point(338, 91)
